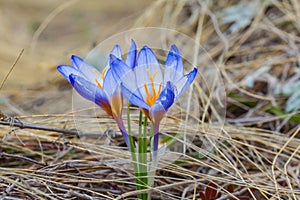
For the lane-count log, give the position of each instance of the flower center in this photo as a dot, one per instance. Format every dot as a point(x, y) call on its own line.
point(102, 75)
point(150, 99)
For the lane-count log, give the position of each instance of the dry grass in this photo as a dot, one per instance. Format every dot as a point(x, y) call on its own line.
point(258, 150)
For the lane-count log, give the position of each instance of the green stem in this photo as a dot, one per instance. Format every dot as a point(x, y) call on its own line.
point(152, 165)
point(145, 140)
point(132, 149)
point(145, 161)
point(151, 137)
point(142, 145)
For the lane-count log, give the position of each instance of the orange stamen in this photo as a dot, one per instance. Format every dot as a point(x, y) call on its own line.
point(102, 75)
point(150, 100)
point(96, 72)
point(98, 84)
point(103, 72)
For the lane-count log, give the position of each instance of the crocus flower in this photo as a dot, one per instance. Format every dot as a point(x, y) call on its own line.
point(147, 87)
point(100, 88)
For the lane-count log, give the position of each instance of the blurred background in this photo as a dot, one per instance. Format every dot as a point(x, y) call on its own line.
point(50, 32)
point(255, 44)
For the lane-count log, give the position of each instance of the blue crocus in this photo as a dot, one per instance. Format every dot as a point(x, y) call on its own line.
point(147, 87)
point(100, 88)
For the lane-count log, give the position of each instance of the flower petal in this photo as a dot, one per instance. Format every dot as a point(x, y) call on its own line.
point(124, 74)
point(67, 70)
point(163, 103)
point(167, 96)
point(116, 103)
point(88, 90)
point(176, 52)
point(116, 51)
point(148, 67)
point(133, 98)
point(131, 56)
point(182, 84)
point(119, 68)
point(110, 83)
point(88, 71)
point(173, 65)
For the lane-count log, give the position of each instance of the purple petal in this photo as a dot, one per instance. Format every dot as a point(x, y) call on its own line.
point(119, 68)
point(163, 103)
point(88, 90)
point(88, 71)
point(175, 52)
point(173, 65)
point(133, 98)
point(66, 71)
point(117, 52)
point(124, 74)
point(123, 131)
point(183, 83)
point(131, 56)
point(110, 83)
point(147, 65)
point(166, 97)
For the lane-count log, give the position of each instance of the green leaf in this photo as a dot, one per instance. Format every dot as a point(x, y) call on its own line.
point(278, 112)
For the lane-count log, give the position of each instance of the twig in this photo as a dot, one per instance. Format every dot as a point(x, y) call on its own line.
point(8, 190)
point(22, 125)
point(3, 154)
point(70, 164)
point(79, 195)
point(12, 67)
point(233, 195)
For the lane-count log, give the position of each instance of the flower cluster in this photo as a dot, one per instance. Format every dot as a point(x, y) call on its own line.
point(139, 78)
